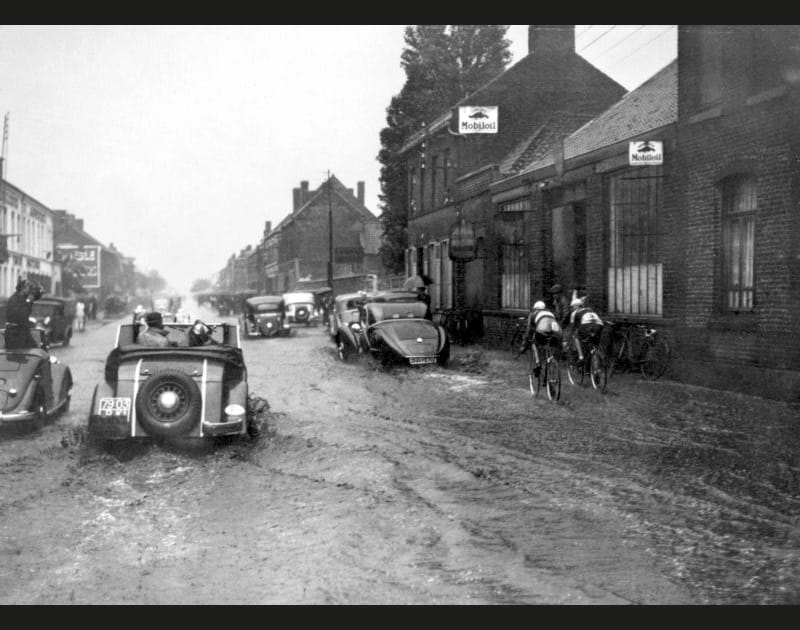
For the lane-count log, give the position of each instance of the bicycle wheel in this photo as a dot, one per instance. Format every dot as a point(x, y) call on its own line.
point(655, 358)
point(552, 374)
point(574, 367)
point(599, 371)
point(534, 380)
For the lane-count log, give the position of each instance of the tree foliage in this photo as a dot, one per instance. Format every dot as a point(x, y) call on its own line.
point(443, 64)
point(201, 284)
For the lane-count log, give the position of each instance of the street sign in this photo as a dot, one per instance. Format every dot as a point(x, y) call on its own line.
point(477, 119)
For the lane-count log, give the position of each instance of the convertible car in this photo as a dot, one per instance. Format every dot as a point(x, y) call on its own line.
point(188, 390)
point(392, 328)
point(34, 386)
point(264, 316)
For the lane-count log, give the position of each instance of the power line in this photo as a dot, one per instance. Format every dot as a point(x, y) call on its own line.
point(618, 42)
point(645, 44)
point(606, 32)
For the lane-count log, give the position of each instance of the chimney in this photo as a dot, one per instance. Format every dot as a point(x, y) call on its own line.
point(79, 223)
point(361, 193)
point(303, 192)
point(549, 38)
point(267, 227)
point(295, 198)
point(350, 190)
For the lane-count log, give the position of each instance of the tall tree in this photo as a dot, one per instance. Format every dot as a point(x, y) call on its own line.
point(443, 64)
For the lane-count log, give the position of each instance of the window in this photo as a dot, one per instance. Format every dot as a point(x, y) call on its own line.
point(515, 282)
point(635, 268)
point(434, 181)
point(446, 170)
point(738, 236)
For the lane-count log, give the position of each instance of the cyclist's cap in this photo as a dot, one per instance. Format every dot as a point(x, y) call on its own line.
point(538, 305)
point(556, 288)
point(576, 302)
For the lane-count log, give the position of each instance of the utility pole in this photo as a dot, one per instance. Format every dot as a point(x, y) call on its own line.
point(330, 236)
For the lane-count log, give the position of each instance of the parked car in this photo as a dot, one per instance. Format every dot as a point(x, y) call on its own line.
point(167, 305)
point(300, 308)
point(393, 329)
point(55, 316)
point(28, 398)
point(185, 391)
point(344, 323)
point(264, 316)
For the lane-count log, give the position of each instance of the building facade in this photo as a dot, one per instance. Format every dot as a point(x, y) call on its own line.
point(543, 97)
point(27, 241)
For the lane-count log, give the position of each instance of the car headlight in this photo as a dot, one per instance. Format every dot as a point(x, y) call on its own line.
point(355, 326)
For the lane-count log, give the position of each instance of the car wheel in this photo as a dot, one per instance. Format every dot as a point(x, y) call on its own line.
point(444, 355)
point(168, 404)
point(64, 395)
point(342, 349)
point(39, 406)
point(67, 337)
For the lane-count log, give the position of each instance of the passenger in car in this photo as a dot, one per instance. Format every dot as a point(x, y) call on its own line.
point(154, 333)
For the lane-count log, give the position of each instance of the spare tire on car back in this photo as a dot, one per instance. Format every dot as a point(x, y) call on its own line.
point(301, 313)
point(168, 403)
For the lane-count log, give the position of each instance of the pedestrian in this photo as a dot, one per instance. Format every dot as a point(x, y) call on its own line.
point(424, 296)
point(18, 315)
point(80, 315)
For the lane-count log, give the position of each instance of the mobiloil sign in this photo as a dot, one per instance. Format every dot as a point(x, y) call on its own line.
point(645, 153)
point(477, 119)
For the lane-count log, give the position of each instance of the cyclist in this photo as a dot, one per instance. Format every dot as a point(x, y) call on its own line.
point(585, 324)
point(544, 329)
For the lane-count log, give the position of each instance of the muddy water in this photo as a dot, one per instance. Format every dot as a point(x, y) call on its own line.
point(413, 486)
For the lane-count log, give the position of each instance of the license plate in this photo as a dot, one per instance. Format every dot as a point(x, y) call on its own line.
point(420, 360)
point(115, 407)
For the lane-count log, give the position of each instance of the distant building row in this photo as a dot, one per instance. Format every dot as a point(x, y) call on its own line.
point(296, 252)
point(40, 244)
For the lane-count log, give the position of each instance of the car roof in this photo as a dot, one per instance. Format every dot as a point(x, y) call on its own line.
point(264, 299)
point(392, 296)
point(344, 297)
point(299, 295)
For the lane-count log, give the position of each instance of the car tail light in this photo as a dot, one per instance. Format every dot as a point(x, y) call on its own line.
point(234, 413)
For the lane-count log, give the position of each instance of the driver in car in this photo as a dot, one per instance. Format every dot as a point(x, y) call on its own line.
point(200, 335)
point(18, 315)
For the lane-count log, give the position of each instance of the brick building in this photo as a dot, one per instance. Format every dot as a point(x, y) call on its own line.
point(298, 249)
point(734, 196)
point(543, 97)
point(586, 217)
point(106, 271)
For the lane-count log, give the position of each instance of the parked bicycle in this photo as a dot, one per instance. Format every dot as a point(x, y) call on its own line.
point(638, 346)
point(594, 364)
point(517, 334)
point(463, 325)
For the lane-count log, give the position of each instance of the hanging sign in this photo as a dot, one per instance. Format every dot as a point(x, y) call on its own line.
point(462, 241)
point(645, 153)
point(477, 119)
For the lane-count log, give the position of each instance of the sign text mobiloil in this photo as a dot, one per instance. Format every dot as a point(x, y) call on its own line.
point(477, 119)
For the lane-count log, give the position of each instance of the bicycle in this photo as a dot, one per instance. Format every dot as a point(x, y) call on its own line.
point(594, 364)
point(549, 374)
point(461, 324)
point(517, 334)
point(639, 345)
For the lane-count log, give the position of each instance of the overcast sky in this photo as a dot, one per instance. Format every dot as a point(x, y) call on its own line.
point(177, 143)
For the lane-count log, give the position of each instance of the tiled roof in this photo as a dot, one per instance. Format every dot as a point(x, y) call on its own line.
point(652, 105)
point(536, 146)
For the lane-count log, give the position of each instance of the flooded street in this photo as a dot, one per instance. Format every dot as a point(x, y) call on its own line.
point(412, 486)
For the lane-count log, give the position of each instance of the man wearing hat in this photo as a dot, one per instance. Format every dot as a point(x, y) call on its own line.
point(18, 315)
point(154, 333)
